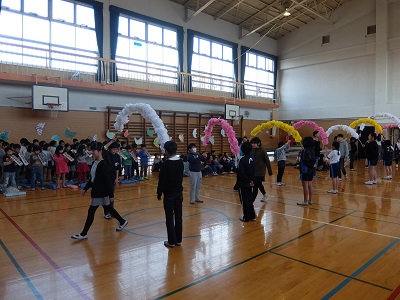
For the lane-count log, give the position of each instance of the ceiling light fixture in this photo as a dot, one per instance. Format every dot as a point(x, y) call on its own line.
point(287, 13)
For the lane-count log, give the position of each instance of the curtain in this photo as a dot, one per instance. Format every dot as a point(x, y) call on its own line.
point(243, 54)
point(114, 23)
point(180, 37)
point(0, 5)
point(235, 69)
point(99, 28)
point(190, 38)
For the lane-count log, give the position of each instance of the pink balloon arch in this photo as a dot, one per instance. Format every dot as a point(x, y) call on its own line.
point(233, 143)
point(314, 125)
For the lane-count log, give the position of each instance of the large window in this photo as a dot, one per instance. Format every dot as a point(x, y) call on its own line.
point(146, 51)
point(45, 25)
point(260, 75)
point(212, 59)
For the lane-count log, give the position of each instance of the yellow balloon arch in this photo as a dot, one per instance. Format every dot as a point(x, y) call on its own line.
point(368, 121)
point(278, 124)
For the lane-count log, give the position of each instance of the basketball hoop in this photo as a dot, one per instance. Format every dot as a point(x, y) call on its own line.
point(236, 120)
point(54, 109)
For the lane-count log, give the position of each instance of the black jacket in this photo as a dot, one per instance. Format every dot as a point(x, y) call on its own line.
point(246, 171)
point(103, 184)
point(194, 160)
point(372, 150)
point(170, 177)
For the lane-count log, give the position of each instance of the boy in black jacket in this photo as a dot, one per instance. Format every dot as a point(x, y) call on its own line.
point(170, 184)
point(245, 182)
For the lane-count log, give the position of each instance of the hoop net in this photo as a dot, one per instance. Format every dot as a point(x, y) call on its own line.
point(236, 120)
point(54, 109)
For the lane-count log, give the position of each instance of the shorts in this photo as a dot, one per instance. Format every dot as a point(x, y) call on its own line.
point(334, 170)
point(372, 163)
point(387, 162)
point(306, 177)
point(100, 201)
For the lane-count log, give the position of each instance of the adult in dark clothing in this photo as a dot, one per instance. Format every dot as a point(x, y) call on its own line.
point(102, 190)
point(372, 155)
point(261, 163)
point(170, 184)
point(245, 182)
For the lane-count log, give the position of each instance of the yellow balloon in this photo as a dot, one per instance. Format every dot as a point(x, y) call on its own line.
point(368, 121)
point(285, 127)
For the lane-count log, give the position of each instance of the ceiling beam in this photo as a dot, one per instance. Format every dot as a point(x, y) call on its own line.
point(313, 12)
point(273, 19)
point(199, 10)
point(228, 8)
point(251, 18)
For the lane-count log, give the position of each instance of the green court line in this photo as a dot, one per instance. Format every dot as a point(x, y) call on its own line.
point(249, 259)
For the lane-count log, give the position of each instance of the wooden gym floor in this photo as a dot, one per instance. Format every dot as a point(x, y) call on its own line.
point(343, 247)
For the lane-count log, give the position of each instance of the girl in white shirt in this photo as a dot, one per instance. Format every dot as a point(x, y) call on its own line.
point(334, 158)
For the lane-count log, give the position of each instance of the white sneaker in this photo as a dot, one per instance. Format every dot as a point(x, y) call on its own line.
point(264, 199)
point(345, 176)
point(340, 179)
point(333, 191)
point(279, 183)
point(108, 216)
point(375, 182)
point(369, 182)
point(397, 166)
point(79, 237)
point(120, 227)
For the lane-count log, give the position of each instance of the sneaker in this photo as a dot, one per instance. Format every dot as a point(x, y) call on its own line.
point(264, 199)
point(120, 227)
point(32, 189)
point(302, 203)
point(79, 237)
point(345, 176)
point(191, 202)
point(279, 183)
point(374, 182)
point(309, 203)
point(243, 219)
point(369, 182)
point(146, 178)
point(231, 172)
point(253, 219)
point(397, 166)
point(215, 174)
point(178, 244)
point(42, 188)
point(353, 170)
point(199, 201)
point(166, 244)
point(315, 176)
point(340, 179)
point(108, 216)
point(366, 167)
point(333, 191)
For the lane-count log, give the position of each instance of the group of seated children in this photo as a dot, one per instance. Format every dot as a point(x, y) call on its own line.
point(212, 165)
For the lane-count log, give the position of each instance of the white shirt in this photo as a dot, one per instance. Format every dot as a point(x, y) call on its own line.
point(334, 157)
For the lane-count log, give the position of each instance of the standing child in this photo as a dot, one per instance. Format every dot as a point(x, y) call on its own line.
point(157, 162)
point(344, 153)
point(18, 169)
point(144, 161)
point(170, 184)
point(71, 164)
point(8, 169)
point(397, 152)
point(307, 162)
point(352, 152)
point(37, 165)
point(102, 185)
point(135, 163)
point(115, 160)
point(195, 164)
point(372, 155)
point(261, 163)
point(83, 167)
point(245, 182)
point(281, 159)
point(387, 158)
point(334, 162)
point(61, 165)
point(48, 159)
point(127, 162)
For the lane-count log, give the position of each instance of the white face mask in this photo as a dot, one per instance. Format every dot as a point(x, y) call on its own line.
point(194, 150)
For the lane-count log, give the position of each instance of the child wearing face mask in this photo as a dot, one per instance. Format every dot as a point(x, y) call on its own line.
point(195, 162)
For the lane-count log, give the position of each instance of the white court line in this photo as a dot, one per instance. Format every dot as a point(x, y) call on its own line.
point(301, 218)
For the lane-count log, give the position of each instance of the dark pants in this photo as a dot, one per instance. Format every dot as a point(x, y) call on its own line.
point(135, 168)
point(342, 167)
point(92, 211)
point(281, 169)
point(37, 174)
point(17, 174)
point(352, 159)
point(106, 212)
point(258, 186)
point(128, 172)
point(173, 217)
point(246, 198)
point(143, 169)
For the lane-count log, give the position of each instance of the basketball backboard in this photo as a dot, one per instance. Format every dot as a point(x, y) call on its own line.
point(231, 111)
point(44, 97)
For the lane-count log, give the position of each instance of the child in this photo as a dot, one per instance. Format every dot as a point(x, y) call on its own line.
point(387, 158)
point(170, 184)
point(334, 162)
point(17, 149)
point(195, 164)
point(281, 159)
point(157, 162)
point(102, 185)
point(8, 169)
point(61, 163)
point(352, 152)
point(397, 152)
point(83, 167)
point(127, 162)
point(261, 163)
point(115, 160)
point(245, 182)
point(48, 159)
point(218, 167)
point(135, 163)
point(372, 155)
point(344, 153)
point(71, 164)
point(144, 161)
point(307, 170)
point(37, 164)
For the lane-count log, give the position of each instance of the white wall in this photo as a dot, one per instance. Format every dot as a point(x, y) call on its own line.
point(351, 77)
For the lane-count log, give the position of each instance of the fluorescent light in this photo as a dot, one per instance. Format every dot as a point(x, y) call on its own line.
point(286, 13)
